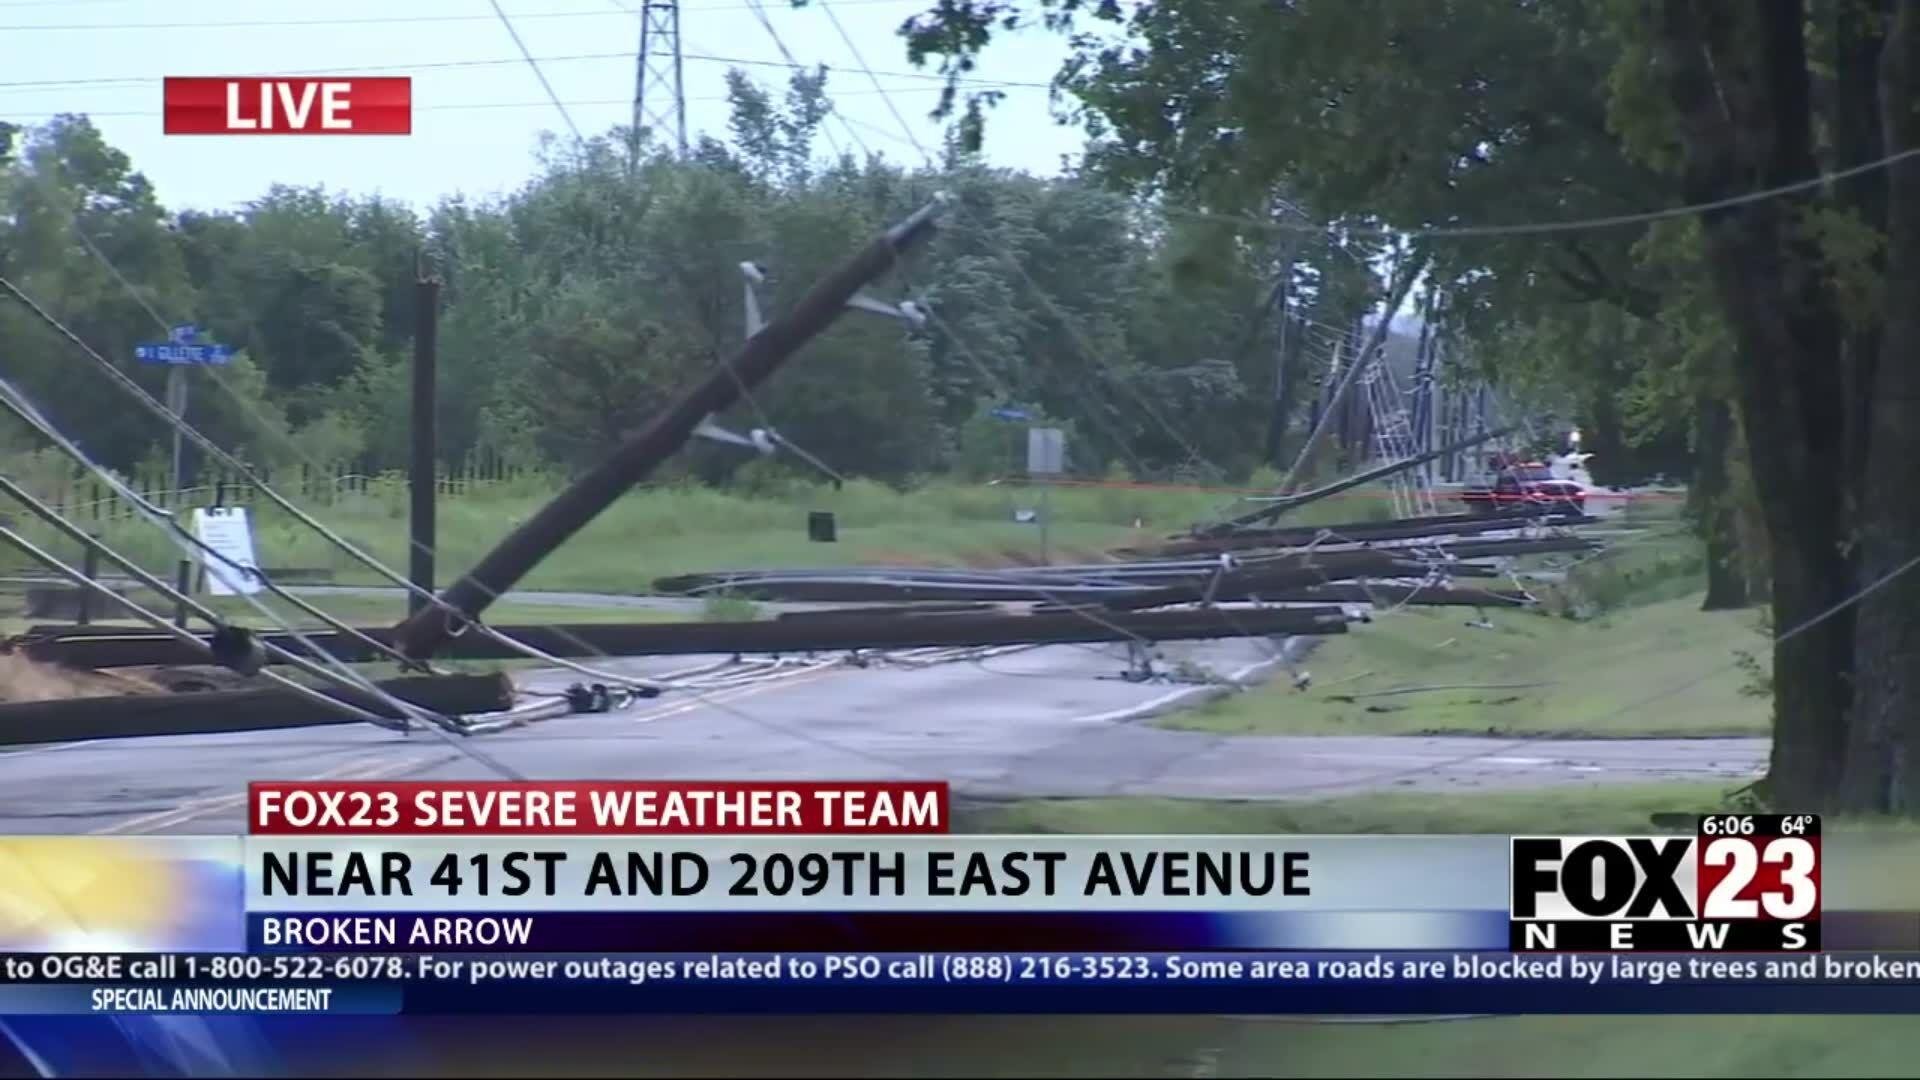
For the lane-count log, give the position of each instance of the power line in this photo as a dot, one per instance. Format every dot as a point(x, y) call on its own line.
point(759, 11)
point(365, 559)
point(1046, 300)
point(435, 65)
point(369, 20)
point(461, 106)
point(1536, 228)
point(342, 673)
point(537, 73)
point(875, 79)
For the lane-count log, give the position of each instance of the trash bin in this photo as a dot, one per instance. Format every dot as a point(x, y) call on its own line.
point(820, 527)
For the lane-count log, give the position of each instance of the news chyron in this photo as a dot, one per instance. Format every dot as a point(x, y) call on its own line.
point(295, 105)
point(1743, 883)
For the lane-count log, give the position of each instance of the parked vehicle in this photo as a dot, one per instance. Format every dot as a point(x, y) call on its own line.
point(1513, 486)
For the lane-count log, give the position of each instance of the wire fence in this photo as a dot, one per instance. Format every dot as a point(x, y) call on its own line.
point(80, 496)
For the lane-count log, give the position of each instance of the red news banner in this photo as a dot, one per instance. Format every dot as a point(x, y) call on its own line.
point(594, 807)
point(249, 105)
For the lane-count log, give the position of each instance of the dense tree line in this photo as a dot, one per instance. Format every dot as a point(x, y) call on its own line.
point(1779, 324)
point(574, 306)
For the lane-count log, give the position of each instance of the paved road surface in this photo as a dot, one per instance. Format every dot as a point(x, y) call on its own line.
point(1049, 721)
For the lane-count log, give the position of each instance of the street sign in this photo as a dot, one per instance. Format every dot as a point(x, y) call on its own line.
point(1005, 412)
point(1046, 451)
point(182, 348)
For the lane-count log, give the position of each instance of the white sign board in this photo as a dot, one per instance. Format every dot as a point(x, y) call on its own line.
point(226, 530)
point(1046, 451)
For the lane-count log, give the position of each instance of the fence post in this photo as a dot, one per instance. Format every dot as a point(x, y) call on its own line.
point(90, 566)
point(183, 584)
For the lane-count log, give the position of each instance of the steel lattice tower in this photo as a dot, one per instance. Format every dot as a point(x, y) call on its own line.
point(659, 98)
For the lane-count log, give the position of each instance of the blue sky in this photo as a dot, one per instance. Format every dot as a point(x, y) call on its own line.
point(106, 58)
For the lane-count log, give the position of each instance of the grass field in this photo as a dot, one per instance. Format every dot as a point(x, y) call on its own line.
point(1425, 671)
point(654, 532)
point(356, 610)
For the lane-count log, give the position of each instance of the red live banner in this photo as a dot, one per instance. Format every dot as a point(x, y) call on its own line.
point(588, 807)
point(288, 106)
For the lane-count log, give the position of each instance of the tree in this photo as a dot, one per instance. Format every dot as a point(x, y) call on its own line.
point(1828, 414)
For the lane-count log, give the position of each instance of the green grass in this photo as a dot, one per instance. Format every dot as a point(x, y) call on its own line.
point(1531, 674)
point(659, 531)
point(356, 610)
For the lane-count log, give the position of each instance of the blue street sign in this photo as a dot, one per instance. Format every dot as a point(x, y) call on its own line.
point(1008, 413)
point(180, 349)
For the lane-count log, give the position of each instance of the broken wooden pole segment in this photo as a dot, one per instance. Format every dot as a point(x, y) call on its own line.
point(424, 632)
point(88, 647)
point(1411, 595)
point(219, 711)
point(1357, 532)
point(1253, 584)
point(888, 611)
point(1487, 549)
point(1366, 593)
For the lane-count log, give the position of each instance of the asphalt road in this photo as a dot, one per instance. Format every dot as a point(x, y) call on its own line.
point(1052, 721)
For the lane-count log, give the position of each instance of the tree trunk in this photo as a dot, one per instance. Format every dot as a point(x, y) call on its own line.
point(1858, 136)
point(1737, 75)
point(1286, 399)
point(1285, 371)
point(1713, 505)
point(1883, 758)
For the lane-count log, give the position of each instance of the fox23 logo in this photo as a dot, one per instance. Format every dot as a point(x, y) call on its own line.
point(1567, 878)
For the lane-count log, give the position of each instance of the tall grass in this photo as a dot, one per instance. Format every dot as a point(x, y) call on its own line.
point(682, 528)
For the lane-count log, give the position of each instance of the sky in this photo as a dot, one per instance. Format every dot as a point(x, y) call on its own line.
point(479, 109)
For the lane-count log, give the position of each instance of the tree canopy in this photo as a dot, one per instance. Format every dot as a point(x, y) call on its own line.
point(575, 305)
point(1541, 153)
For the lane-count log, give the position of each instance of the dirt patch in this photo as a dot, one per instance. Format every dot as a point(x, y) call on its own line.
point(22, 679)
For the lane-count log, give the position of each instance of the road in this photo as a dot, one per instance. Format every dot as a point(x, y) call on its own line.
point(1052, 721)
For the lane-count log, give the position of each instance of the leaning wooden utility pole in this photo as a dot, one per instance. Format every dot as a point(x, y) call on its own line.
point(1356, 366)
point(572, 509)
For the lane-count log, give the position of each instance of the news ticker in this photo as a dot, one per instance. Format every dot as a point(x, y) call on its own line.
point(1270, 982)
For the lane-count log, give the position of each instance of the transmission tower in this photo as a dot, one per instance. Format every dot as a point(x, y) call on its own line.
point(659, 97)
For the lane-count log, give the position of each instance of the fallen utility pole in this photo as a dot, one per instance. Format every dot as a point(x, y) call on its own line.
point(1362, 360)
point(1545, 545)
point(1281, 504)
point(1254, 584)
point(1357, 593)
point(1311, 569)
point(425, 632)
point(94, 648)
point(1411, 595)
point(1362, 532)
point(211, 712)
